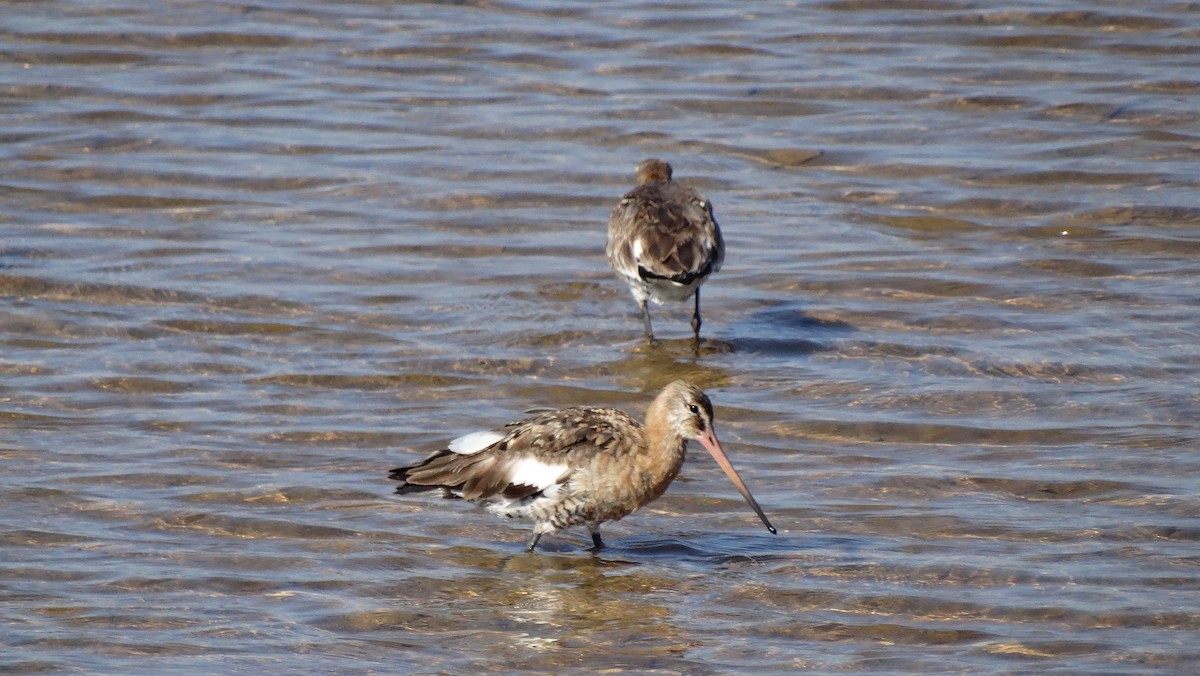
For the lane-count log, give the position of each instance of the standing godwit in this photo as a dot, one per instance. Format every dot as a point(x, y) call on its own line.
point(663, 241)
point(578, 465)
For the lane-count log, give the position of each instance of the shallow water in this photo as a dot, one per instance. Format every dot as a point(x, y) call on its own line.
point(253, 256)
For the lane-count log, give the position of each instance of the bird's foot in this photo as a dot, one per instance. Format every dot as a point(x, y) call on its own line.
point(533, 540)
point(597, 543)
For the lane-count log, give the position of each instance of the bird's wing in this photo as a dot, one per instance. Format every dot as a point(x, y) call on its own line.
point(665, 231)
point(532, 456)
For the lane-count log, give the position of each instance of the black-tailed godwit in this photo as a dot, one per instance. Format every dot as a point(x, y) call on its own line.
point(663, 241)
point(578, 465)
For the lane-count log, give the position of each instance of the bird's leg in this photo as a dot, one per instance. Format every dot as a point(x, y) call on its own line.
point(597, 543)
point(533, 540)
point(696, 321)
point(646, 321)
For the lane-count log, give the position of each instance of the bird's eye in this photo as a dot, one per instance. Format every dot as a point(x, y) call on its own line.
point(694, 409)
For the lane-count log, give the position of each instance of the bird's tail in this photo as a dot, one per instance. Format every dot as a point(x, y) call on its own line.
point(402, 475)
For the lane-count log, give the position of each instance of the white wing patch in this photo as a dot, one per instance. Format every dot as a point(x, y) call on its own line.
point(470, 444)
point(534, 472)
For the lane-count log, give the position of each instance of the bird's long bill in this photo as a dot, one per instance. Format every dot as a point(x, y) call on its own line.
point(709, 440)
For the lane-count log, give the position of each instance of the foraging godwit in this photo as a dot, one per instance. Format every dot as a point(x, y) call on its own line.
point(663, 241)
point(578, 465)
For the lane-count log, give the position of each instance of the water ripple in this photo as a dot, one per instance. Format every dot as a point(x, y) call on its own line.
point(253, 257)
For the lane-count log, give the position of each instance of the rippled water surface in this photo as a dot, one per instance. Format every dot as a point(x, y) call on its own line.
point(254, 255)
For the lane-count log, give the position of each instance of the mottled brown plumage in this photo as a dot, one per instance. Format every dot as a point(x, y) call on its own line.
point(664, 241)
point(575, 466)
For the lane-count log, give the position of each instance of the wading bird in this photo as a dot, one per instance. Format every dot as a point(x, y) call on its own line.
point(576, 466)
point(663, 241)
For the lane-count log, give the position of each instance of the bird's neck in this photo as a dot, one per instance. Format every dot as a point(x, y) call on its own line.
point(666, 448)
